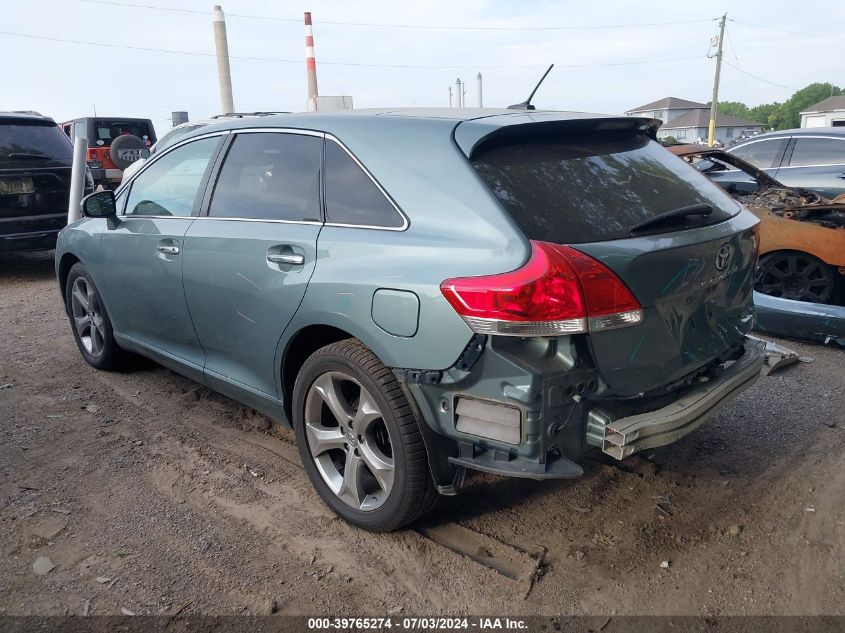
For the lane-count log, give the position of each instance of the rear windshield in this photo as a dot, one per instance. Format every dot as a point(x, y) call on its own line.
point(594, 187)
point(22, 141)
point(106, 130)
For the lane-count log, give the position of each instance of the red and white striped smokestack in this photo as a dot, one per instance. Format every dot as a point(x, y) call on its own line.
point(310, 60)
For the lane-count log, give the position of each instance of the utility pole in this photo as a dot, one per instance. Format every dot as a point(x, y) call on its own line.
point(450, 96)
point(459, 92)
point(711, 135)
point(224, 74)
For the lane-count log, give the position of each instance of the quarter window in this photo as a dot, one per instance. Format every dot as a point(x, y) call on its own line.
point(351, 195)
point(269, 176)
point(169, 185)
point(818, 151)
point(762, 154)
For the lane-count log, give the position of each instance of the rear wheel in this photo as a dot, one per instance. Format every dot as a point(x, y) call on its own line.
point(797, 276)
point(359, 439)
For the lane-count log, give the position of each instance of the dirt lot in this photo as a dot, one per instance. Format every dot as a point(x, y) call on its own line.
point(152, 494)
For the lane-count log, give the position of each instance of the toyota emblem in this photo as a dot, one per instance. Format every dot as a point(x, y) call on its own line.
point(723, 256)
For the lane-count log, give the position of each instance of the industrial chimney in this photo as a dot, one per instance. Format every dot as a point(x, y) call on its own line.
point(224, 74)
point(310, 60)
point(480, 100)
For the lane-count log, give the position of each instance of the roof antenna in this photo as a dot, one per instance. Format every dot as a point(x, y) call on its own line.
point(526, 105)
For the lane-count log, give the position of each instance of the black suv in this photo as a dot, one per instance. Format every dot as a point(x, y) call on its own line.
point(35, 167)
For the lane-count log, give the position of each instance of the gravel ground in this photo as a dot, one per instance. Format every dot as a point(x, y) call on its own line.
point(149, 493)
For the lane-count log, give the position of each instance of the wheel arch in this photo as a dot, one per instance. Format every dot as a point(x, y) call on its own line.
point(301, 345)
point(65, 264)
point(794, 251)
point(312, 337)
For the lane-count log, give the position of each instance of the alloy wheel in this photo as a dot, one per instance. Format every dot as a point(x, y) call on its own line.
point(349, 441)
point(87, 317)
point(798, 277)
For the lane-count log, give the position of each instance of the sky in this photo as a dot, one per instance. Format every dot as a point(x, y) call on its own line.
point(659, 49)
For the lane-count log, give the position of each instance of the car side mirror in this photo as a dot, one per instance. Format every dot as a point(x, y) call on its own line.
point(100, 204)
point(144, 153)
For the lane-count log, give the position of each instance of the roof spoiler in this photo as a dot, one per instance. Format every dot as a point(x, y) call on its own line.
point(471, 137)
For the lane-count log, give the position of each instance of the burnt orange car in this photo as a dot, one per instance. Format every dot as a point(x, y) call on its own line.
point(802, 234)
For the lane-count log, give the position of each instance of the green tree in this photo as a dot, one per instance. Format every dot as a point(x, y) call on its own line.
point(781, 116)
point(734, 108)
point(801, 100)
point(765, 113)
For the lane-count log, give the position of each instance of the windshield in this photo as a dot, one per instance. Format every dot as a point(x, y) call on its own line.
point(583, 188)
point(109, 129)
point(22, 140)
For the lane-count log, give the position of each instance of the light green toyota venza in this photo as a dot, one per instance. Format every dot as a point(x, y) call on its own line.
point(421, 292)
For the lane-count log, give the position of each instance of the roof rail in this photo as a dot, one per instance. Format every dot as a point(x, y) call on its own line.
point(29, 112)
point(238, 115)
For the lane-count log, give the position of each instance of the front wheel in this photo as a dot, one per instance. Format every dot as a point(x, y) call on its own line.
point(359, 439)
point(797, 276)
point(91, 325)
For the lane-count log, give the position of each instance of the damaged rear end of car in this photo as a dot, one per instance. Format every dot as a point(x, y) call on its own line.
point(626, 327)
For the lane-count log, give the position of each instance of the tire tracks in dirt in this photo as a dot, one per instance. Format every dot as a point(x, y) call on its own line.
point(288, 510)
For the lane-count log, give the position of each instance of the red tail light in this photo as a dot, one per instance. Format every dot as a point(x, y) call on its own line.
point(559, 291)
point(92, 154)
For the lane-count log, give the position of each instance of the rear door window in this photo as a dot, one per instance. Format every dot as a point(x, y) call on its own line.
point(351, 195)
point(107, 130)
point(762, 154)
point(25, 141)
point(575, 189)
point(817, 151)
point(169, 186)
point(270, 176)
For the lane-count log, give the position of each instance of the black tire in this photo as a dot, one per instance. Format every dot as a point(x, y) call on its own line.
point(797, 276)
point(412, 490)
point(101, 350)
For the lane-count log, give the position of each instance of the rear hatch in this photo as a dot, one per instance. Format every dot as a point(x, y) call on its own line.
point(600, 192)
point(35, 167)
point(102, 131)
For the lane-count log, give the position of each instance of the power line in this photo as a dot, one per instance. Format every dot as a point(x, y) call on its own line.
point(765, 81)
point(330, 63)
point(430, 27)
point(770, 28)
point(791, 64)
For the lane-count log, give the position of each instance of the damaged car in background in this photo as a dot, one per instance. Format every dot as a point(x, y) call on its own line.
point(800, 279)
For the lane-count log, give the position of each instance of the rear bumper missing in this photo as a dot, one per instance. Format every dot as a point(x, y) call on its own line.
point(620, 437)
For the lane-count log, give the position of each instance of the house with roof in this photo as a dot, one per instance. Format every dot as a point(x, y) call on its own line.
point(666, 109)
point(688, 121)
point(828, 112)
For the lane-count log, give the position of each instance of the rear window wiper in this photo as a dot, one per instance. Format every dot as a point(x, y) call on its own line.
point(25, 156)
point(681, 212)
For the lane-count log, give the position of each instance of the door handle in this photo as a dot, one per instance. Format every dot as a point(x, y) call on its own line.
point(168, 250)
point(286, 258)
